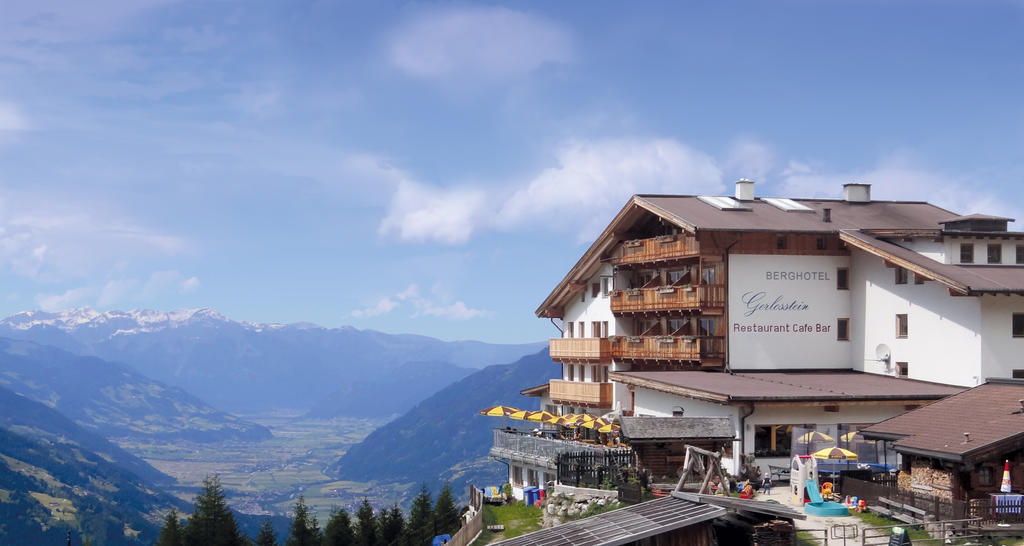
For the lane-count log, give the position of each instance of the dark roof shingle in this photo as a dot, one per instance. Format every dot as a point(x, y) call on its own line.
point(657, 428)
point(991, 413)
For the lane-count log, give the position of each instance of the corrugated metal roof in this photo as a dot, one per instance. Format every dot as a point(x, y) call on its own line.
point(623, 525)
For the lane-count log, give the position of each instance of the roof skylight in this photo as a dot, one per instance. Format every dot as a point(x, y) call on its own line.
point(723, 203)
point(787, 204)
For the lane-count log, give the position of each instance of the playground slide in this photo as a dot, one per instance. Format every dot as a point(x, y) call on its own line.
point(812, 491)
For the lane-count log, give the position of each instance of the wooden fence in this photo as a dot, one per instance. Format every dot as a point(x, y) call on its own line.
point(1008, 511)
point(592, 469)
point(471, 528)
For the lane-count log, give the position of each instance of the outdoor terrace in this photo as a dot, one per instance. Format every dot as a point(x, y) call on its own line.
point(706, 297)
point(655, 249)
point(523, 446)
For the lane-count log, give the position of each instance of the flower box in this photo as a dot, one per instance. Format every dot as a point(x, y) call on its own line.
point(666, 290)
point(665, 238)
point(633, 292)
point(666, 339)
point(634, 243)
point(634, 339)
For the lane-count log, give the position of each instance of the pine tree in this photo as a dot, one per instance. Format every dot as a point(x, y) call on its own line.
point(392, 526)
point(171, 534)
point(305, 531)
point(266, 536)
point(421, 519)
point(211, 523)
point(338, 531)
point(366, 525)
point(446, 515)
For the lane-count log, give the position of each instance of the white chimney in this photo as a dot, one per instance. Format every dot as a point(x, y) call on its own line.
point(857, 193)
point(744, 190)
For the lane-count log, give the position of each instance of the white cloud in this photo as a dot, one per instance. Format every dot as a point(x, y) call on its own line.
point(477, 42)
point(122, 291)
point(46, 239)
point(420, 306)
point(593, 179)
point(382, 307)
point(749, 158)
point(589, 182)
point(421, 213)
point(189, 285)
point(70, 298)
point(11, 118)
point(900, 179)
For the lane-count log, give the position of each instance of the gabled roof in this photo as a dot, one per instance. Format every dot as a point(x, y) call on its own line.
point(539, 390)
point(965, 279)
point(796, 386)
point(991, 414)
point(677, 428)
point(691, 214)
point(624, 525)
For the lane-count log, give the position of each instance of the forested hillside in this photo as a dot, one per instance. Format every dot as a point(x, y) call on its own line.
point(443, 438)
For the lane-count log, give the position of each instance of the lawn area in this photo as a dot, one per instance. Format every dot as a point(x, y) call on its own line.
point(517, 518)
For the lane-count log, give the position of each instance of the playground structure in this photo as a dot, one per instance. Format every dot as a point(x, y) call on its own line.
point(803, 481)
point(701, 461)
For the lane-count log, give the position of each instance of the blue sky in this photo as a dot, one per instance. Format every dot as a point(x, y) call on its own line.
point(437, 167)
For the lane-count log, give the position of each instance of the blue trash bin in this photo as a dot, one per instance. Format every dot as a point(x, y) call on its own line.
point(530, 495)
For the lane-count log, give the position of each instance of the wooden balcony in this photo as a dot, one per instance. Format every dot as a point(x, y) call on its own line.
point(708, 350)
point(597, 395)
point(580, 349)
point(709, 298)
point(658, 248)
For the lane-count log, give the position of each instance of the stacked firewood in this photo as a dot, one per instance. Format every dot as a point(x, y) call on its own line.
point(774, 533)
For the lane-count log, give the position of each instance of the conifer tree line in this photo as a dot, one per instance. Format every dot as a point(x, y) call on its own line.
point(211, 523)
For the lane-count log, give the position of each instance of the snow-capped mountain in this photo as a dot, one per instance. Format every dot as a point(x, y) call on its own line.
point(125, 322)
point(246, 366)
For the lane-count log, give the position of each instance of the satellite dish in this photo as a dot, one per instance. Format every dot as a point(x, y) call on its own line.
point(883, 353)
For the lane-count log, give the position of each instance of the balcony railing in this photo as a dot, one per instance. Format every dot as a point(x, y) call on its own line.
point(594, 394)
point(668, 298)
point(668, 348)
point(519, 446)
point(576, 349)
point(658, 248)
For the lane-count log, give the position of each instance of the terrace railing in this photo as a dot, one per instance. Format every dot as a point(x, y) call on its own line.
point(528, 448)
point(657, 248)
point(668, 298)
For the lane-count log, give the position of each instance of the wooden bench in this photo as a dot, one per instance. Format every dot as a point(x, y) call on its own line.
point(899, 511)
point(778, 472)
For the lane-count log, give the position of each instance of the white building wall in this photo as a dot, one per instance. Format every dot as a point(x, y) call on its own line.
point(587, 308)
point(783, 312)
point(936, 250)
point(1009, 249)
point(944, 341)
point(1001, 353)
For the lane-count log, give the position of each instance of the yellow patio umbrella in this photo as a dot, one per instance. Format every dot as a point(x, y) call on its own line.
point(542, 417)
point(498, 411)
point(520, 414)
point(835, 453)
point(849, 436)
point(595, 424)
point(570, 420)
point(609, 428)
point(814, 436)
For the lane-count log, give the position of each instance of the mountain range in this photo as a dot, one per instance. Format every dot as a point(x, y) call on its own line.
point(114, 400)
point(297, 366)
point(443, 438)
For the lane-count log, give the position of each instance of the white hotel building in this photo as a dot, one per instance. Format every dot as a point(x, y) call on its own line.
point(785, 313)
